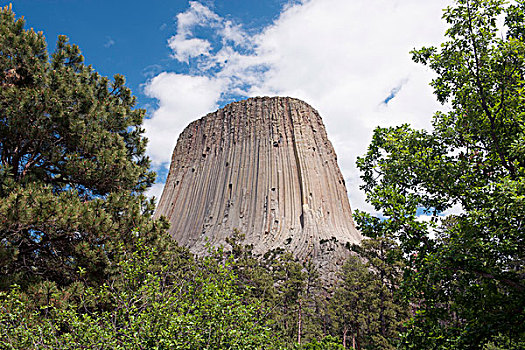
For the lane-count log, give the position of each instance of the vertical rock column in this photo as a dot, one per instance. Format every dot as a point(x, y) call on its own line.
point(265, 167)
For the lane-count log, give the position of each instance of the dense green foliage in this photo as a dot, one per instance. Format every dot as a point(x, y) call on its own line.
point(183, 304)
point(287, 288)
point(365, 307)
point(360, 310)
point(465, 273)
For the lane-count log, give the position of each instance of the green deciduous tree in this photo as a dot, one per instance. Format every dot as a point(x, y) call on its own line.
point(467, 272)
point(72, 163)
point(326, 343)
point(180, 304)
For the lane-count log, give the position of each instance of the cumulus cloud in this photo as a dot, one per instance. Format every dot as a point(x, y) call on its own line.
point(186, 46)
point(182, 99)
point(345, 58)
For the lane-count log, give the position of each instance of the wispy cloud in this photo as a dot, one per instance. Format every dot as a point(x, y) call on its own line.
point(109, 42)
point(152, 70)
point(343, 57)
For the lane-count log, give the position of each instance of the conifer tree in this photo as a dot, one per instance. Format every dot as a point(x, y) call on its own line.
point(72, 163)
point(366, 310)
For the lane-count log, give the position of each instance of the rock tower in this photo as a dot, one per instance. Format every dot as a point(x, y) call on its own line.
point(265, 167)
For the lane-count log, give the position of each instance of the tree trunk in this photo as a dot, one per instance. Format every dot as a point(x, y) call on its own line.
point(357, 340)
point(382, 296)
point(299, 323)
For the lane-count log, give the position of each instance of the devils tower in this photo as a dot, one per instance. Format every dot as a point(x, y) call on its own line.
point(265, 167)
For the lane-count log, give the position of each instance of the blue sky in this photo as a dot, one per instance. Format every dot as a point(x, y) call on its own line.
point(130, 37)
point(349, 59)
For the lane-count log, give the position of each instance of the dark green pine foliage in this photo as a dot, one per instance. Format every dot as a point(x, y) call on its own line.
point(388, 309)
point(367, 311)
point(467, 271)
point(72, 163)
point(289, 290)
point(350, 302)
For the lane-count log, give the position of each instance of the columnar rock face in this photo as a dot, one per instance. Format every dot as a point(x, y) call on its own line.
point(265, 167)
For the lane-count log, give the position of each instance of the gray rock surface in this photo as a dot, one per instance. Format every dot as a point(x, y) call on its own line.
point(265, 167)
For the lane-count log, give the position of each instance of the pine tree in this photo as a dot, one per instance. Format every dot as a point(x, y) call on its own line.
point(351, 301)
point(367, 309)
point(72, 163)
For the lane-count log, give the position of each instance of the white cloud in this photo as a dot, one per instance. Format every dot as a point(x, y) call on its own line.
point(342, 57)
point(234, 33)
point(197, 14)
point(155, 191)
point(182, 99)
point(184, 49)
point(185, 46)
